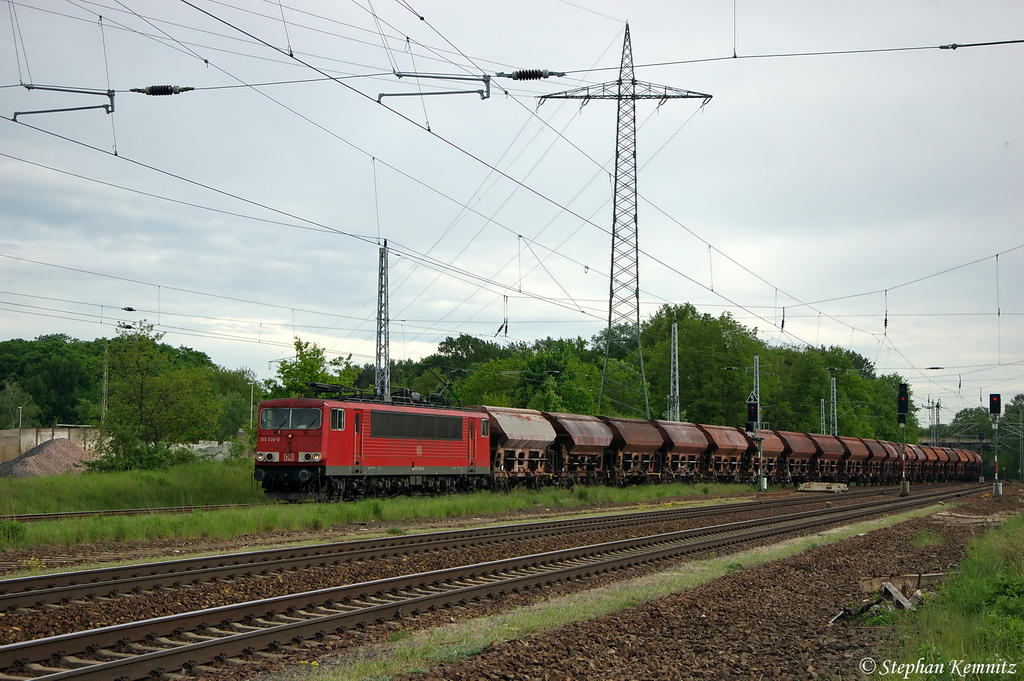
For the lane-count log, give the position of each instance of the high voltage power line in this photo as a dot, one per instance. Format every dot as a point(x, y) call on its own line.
point(748, 308)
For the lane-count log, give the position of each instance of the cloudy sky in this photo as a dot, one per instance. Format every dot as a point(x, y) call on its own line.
point(848, 176)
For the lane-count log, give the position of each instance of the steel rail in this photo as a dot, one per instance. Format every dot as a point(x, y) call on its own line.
point(115, 512)
point(52, 588)
point(71, 515)
point(313, 614)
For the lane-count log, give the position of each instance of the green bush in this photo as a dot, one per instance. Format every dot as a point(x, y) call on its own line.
point(140, 456)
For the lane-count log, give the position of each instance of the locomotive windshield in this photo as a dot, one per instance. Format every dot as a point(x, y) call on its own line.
point(290, 419)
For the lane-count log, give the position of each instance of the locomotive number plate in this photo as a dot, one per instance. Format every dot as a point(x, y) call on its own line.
point(288, 456)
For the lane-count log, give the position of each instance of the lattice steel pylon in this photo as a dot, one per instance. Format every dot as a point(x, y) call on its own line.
point(382, 374)
point(623, 380)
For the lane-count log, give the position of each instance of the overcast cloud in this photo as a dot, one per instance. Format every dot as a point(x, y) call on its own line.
point(239, 215)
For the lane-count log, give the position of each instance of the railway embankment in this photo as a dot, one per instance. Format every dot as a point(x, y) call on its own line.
point(772, 620)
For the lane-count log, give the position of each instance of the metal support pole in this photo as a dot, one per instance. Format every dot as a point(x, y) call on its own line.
point(904, 483)
point(757, 388)
point(106, 376)
point(382, 374)
point(673, 391)
point(762, 481)
point(997, 487)
point(833, 418)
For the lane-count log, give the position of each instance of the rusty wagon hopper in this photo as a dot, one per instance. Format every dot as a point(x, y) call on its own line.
point(876, 466)
point(730, 449)
point(831, 453)
point(802, 451)
point(521, 441)
point(686, 447)
point(855, 469)
point(774, 451)
point(579, 447)
point(637, 446)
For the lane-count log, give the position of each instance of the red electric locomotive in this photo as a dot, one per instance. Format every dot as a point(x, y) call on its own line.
point(323, 449)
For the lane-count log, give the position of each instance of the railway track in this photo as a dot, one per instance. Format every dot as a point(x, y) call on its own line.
point(237, 634)
point(71, 515)
point(66, 587)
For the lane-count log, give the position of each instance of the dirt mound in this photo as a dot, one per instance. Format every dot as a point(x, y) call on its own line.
point(52, 457)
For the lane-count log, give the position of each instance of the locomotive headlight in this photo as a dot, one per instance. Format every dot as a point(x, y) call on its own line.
point(317, 456)
point(260, 456)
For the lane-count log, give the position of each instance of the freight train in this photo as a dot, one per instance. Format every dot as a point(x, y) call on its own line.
point(345, 447)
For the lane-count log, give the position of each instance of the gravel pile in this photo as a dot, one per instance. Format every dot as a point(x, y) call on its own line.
point(52, 457)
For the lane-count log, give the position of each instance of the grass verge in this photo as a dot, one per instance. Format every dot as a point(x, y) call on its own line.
point(410, 651)
point(204, 483)
point(977, 615)
point(198, 484)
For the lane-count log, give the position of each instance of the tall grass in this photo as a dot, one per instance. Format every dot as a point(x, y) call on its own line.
point(978, 614)
point(226, 483)
point(199, 484)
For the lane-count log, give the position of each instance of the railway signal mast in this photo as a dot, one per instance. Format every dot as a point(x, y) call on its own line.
point(623, 380)
point(902, 409)
point(995, 408)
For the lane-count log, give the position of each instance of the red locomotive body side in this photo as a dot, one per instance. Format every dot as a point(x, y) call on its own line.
point(322, 448)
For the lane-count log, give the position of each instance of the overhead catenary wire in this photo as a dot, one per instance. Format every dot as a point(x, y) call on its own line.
point(264, 42)
point(520, 183)
point(836, 315)
point(834, 52)
point(820, 53)
point(18, 40)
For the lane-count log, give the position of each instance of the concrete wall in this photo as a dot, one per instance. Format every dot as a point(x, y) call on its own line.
point(215, 450)
point(15, 442)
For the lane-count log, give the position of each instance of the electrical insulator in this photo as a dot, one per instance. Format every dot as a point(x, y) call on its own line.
point(159, 90)
point(530, 74)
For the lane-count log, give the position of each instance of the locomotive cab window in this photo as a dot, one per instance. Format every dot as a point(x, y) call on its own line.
point(337, 419)
point(290, 419)
point(485, 428)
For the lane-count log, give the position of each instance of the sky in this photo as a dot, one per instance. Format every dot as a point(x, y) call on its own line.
point(849, 183)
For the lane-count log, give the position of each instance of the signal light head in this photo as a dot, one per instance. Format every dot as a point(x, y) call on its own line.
point(903, 402)
point(995, 404)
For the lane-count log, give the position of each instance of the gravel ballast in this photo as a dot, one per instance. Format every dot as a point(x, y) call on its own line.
point(770, 621)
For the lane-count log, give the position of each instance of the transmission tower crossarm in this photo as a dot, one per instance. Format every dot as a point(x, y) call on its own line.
point(641, 90)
